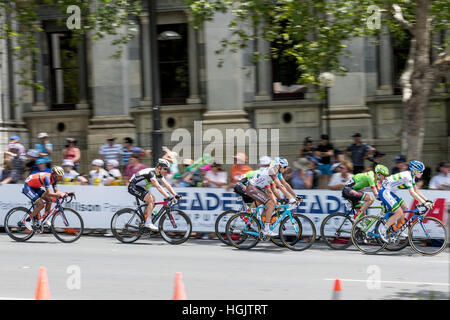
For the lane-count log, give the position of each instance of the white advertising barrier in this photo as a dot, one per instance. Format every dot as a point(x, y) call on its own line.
point(97, 204)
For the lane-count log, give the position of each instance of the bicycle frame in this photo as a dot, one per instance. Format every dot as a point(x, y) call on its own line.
point(165, 208)
point(47, 215)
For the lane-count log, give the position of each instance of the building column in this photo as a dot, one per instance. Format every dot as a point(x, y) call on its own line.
point(146, 99)
point(82, 76)
point(263, 70)
point(385, 58)
point(39, 96)
point(194, 96)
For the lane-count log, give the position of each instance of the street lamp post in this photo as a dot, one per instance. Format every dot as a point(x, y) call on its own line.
point(326, 80)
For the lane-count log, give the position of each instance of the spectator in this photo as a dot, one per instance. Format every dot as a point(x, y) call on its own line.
point(314, 163)
point(71, 176)
point(15, 140)
point(171, 156)
point(30, 164)
point(114, 175)
point(17, 163)
point(183, 178)
point(216, 177)
point(133, 166)
point(45, 148)
point(288, 174)
point(71, 152)
point(239, 168)
point(358, 152)
point(400, 164)
point(98, 175)
point(6, 173)
point(128, 149)
point(302, 178)
point(42, 166)
point(441, 181)
point(338, 159)
point(342, 175)
point(325, 151)
point(376, 159)
point(308, 149)
point(110, 150)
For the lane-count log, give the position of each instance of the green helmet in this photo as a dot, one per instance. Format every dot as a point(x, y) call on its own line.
point(380, 169)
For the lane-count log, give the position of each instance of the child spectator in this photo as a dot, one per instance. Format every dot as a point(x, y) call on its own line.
point(71, 176)
point(114, 175)
point(98, 175)
point(42, 166)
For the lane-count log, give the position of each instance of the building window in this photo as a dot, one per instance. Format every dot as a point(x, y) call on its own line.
point(401, 44)
point(173, 63)
point(64, 88)
point(285, 74)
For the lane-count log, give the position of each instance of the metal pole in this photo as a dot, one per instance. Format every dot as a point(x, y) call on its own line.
point(327, 102)
point(156, 95)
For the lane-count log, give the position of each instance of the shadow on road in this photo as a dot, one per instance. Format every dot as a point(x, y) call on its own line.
point(420, 295)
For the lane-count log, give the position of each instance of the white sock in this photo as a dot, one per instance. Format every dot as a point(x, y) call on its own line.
point(267, 226)
point(148, 221)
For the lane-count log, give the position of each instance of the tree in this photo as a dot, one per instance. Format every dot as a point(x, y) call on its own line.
point(315, 31)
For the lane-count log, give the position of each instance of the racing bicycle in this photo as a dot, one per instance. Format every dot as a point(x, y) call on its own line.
point(65, 223)
point(175, 226)
point(427, 235)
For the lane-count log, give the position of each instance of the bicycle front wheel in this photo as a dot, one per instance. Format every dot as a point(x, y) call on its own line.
point(336, 231)
point(301, 239)
point(243, 231)
point(15, 224)
point(428, 236)
point(175, 227)
point(366, 235)
point(221, 223)
point(67, 225)
point(126, 225)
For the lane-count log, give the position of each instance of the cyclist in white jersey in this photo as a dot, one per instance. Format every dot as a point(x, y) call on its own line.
point(401, 180)
point(140, 184)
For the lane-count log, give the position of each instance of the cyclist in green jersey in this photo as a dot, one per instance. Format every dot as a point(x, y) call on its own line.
point(352, 189)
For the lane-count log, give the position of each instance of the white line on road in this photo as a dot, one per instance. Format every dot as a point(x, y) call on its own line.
point(395, 282)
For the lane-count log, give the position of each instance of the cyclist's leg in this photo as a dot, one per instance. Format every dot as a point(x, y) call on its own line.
point(394, 204)
point(263, 198)
point(149, 199)
point(142, 194)
point(353, 196)
point(35, 195)
point(368, 200)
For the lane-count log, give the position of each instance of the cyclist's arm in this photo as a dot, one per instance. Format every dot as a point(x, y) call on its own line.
point(374, 191)
point(282, 188)
point(415, 195)
point(274, 190)
point(168, 187)
point(420, 194)
point(159, 188)
point(288, 187)
point(271, 195)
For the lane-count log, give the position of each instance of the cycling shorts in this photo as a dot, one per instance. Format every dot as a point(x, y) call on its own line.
point(240, 189)
point(33, 194)
point(390, 199)
point(257, 194)
point(137, 191)
point(352, 195)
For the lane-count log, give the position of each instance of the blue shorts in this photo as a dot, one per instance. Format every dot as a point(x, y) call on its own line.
point(32, 193)
point(390, 199)
point(325, 169)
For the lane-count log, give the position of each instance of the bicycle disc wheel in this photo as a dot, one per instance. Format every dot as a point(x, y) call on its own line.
point(67, 225)
point(126, 225)
point(175, 226)
point(365, 234)
point(243, 231)
point(15, 226)
point(428, 237)
point(305, 236)
point(336, 231)
point(221, 223)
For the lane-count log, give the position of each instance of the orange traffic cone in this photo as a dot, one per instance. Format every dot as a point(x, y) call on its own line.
point(42, 290)
point(336, 290)
point(180, 293)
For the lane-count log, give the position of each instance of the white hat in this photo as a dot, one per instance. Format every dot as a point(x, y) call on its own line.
point(42, 135)
point(98, 162)
point(265, 160)
point(33, 153)
point(112, 162)
point(68, 162)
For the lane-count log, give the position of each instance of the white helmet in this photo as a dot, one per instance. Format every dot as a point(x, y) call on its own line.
point(98, 162)
point(282, 162)
point(68, 162)
point(163, 163)
point(265, 160)
point(113, 163)
point(273, 168)
point(58, 171)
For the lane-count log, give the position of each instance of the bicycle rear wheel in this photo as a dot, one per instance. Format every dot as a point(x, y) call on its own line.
point(126, 225)
point(301, 240)
point(336, 231)
point(366, 236)
point(221, 223)
point(15, 224)
point(67, 225)
point(243, 231)
point(428, 236)
point(175, 227)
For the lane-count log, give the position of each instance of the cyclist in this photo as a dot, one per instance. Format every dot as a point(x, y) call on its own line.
point(140, 183)
point(281, 182)
point(401, 180)
point(42, 198)
point(352, 189)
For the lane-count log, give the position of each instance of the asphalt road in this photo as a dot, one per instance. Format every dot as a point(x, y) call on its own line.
point(97, 267)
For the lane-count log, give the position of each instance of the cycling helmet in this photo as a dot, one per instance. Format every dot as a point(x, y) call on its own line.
point(58, 171)
point(282, 162)
point(415, 165)
point(273, 168)
point(163, 163)
point(380, 169)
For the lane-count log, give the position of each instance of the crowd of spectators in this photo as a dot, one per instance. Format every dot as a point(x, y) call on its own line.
point(318, 166)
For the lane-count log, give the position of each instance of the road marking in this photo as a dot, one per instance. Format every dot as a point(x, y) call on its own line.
point(396, 282)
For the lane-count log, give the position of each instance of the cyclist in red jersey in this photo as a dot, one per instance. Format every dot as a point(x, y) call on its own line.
point(40, 197)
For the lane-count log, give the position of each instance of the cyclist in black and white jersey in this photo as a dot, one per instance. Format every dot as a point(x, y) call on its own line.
point(140, 184)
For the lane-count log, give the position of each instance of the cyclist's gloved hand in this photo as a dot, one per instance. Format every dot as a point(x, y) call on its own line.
point(292, 200)
point(178, 197)
point(299, 198)
point(282, 201)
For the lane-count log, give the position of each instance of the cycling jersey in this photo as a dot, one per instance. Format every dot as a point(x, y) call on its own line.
point(144, 177)
point(70, 177)
point(262, 179)
point(401, 180)
point(40, 179)
point(362, 180)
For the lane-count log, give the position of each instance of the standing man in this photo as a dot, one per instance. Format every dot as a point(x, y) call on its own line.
point(45, 148)
point(358, 151)
point(325, 151)
point(110, 150)
point(400, 164)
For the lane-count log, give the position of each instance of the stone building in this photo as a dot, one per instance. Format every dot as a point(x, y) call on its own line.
point(89, 95)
